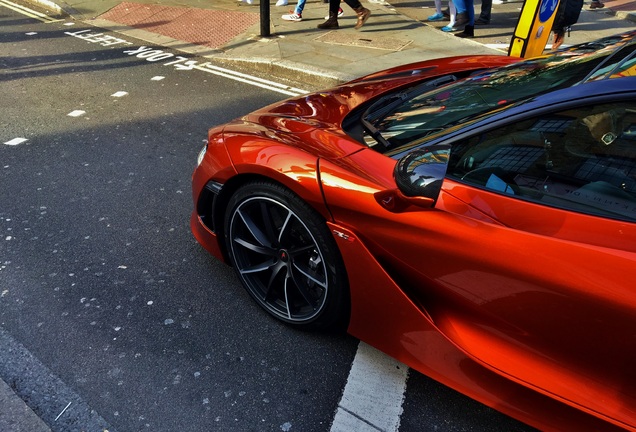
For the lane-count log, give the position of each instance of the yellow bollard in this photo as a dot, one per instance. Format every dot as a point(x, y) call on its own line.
point(533, 28)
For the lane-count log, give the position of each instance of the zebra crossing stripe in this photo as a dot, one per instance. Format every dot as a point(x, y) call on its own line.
point(373, 396)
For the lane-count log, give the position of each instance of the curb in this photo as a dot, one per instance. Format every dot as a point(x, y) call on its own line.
point(287, 70)
point(627, 16)
point(16, 415)
point(284, 69)
point(281, 68)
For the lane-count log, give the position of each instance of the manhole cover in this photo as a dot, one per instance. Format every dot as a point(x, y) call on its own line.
point(342, 38)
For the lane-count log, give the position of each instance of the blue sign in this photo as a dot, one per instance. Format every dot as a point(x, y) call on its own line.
point(547, 9)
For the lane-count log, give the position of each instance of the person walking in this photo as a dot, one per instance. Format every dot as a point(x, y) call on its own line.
point(334, 6)
point(465, 15)
point(452, 15)
point(485, 13)
point(297, 13)
point(438, 15)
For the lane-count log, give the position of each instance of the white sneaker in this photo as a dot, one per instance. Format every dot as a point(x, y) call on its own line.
point(281, 3)
point(340, 13)
point(292, 17)
point(249, 2)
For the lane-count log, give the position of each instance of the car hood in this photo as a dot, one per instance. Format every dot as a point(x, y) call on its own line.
point(314, 121)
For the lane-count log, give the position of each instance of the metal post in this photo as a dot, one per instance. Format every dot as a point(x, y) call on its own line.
point(265, 31)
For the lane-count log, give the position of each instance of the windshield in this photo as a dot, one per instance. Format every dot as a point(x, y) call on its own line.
point(423, 110)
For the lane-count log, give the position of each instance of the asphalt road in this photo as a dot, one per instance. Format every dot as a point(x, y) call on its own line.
point(106, 300)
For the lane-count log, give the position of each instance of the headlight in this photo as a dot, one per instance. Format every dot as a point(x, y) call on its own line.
point(202, 154)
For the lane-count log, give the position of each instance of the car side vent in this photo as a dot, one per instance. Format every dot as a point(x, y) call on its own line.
point(207, 202)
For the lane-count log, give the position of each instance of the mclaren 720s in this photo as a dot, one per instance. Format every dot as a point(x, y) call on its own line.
point(473, 217)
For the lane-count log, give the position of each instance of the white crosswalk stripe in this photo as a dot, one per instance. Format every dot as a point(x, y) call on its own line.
point(372, 398)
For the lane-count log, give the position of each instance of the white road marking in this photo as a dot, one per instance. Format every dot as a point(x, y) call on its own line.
point(498, 46)
point(16, 141)
point(504, 47)
point(28, 12)
point(180, 63)
point(373, 396)
point(250, 79)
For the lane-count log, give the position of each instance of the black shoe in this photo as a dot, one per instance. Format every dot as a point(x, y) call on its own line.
point(469, 32)
point(481, 21)
point(331, 23)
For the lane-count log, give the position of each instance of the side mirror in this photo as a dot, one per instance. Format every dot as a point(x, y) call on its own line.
point(421, 172)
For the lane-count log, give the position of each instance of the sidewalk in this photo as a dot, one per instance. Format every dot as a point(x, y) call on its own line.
point(228, 31)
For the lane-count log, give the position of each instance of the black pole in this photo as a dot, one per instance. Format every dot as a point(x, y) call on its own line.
point(265, 18)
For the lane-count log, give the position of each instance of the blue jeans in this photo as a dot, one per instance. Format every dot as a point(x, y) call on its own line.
point(466, 6)
point(300, 6)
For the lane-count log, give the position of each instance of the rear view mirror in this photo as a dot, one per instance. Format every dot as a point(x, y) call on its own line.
point(421, 172)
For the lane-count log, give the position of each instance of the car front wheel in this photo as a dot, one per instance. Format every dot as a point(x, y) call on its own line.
point(285, 257)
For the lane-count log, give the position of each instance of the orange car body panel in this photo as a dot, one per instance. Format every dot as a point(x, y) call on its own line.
point(544, 311)
point(384, 316)
point(519, 306)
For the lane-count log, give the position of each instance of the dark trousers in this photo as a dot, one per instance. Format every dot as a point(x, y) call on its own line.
point(334, 5)
point(486, 8)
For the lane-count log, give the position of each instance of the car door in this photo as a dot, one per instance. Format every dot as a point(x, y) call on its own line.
point(527, 261)
point(544, 289)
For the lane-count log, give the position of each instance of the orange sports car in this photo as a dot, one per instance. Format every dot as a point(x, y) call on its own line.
point(473, 217)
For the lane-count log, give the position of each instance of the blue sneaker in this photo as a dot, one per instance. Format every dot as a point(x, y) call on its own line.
point(436, 17)
point(449, 29)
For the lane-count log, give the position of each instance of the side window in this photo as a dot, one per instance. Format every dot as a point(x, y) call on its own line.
point(582, 160)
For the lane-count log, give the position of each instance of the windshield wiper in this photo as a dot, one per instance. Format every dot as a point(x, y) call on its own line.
point(382, 107)
point(374, 112)
point(375, 133)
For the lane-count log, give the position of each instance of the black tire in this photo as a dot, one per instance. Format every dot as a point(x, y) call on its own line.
point(286, 257)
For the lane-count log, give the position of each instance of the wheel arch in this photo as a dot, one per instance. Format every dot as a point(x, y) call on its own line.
point(311, 194)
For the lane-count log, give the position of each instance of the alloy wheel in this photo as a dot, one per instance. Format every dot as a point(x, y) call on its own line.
point(278, 259)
